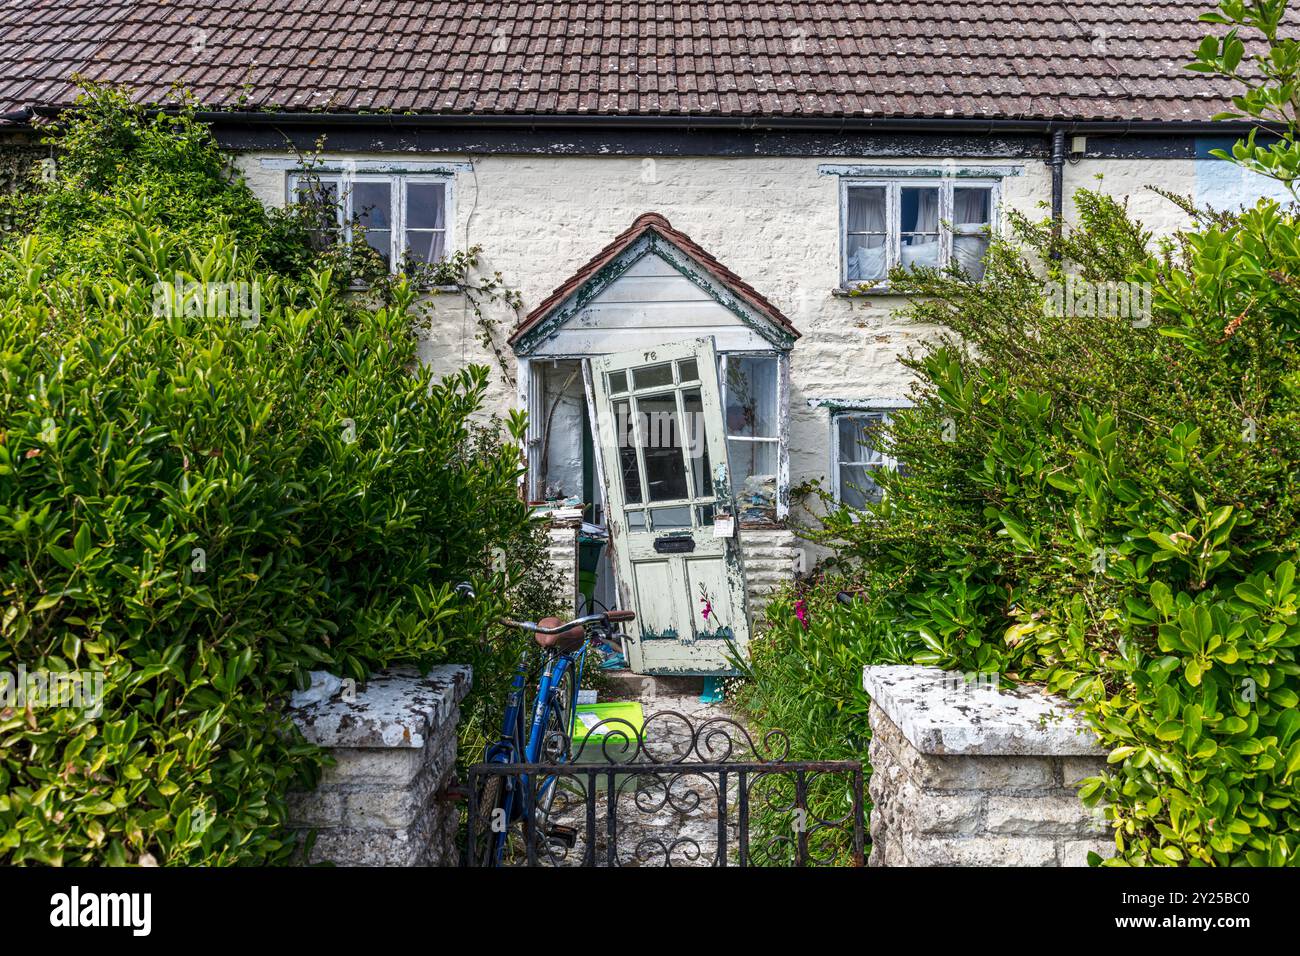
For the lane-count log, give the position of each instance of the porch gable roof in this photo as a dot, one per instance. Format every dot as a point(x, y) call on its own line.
point(653, 233)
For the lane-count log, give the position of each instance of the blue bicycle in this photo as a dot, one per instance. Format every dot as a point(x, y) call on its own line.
point(501, 800)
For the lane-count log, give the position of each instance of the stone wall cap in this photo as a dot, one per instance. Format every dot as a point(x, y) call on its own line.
point(395, 708)
point(941, 712)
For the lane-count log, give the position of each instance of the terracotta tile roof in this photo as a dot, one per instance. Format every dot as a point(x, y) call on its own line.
point(652, 222)
point(1031, 59)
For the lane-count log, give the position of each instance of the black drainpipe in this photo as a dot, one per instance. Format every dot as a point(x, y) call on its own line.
point(1057, 163)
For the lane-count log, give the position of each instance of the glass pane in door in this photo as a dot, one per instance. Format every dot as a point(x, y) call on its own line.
point(660, 435)
point(670, 519)
point(697, 444)
point(627, 464)
point(652, 376)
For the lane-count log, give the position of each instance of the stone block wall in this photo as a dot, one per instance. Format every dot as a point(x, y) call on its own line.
point(562, 552)
point(964, 774)
point(394, 746)
point(769, 557)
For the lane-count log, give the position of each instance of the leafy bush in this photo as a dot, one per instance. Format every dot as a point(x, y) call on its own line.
point(1109, 506)
point(1111, 510)
point(111, 159)
point(201, 508)
point(804, 678)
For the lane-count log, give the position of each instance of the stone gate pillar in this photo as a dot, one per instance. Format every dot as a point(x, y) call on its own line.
point(965, 774)
point(394, 746)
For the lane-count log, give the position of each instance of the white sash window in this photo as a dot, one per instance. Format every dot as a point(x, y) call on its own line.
point(914, 222)
point(403, 217)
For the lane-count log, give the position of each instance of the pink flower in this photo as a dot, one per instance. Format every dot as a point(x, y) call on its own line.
point(707, 609)
point(801, 612)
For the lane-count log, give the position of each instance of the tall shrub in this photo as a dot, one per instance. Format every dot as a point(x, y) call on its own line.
point(1112, 510)
point(1108, 503)
point(200, 506)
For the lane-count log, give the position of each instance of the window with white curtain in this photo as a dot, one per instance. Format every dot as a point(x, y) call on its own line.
point(915, 222)
point(858, 455)
point(402, 216)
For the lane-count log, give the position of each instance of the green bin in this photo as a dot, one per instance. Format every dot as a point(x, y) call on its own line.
point(589, 550)
point(606, 743)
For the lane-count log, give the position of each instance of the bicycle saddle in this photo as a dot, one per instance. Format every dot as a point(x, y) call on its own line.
point(566, 642)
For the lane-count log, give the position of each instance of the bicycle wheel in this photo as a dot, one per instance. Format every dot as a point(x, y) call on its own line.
point(557, 739)
point(557, 743)
point(489, 794)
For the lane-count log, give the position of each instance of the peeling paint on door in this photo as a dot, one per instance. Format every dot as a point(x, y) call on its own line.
point(664, 465)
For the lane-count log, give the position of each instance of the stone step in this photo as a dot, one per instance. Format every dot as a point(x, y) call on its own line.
point(626, 685)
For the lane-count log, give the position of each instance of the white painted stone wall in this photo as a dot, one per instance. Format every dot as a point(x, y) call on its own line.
point(963, 774)
point(773, 221)
point(562, 552)
point(770, 557)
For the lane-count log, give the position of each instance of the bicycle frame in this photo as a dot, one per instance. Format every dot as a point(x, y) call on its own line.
point(513, 747)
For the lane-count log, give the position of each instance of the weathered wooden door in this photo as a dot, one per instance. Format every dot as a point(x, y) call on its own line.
point(671, 512)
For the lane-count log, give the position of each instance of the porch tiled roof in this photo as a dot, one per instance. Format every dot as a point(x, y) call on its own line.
point(651, 222)
point(1026, 59)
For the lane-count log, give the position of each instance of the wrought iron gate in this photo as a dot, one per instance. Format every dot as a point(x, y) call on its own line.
point(671, 793)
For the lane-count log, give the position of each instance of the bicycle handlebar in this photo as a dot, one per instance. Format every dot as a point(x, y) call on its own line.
point(583, 622)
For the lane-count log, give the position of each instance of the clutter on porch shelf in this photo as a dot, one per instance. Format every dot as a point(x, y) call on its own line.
point(757, 500)
point(566, 511)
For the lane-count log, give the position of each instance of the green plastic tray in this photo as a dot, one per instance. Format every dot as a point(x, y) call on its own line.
point(623, 710)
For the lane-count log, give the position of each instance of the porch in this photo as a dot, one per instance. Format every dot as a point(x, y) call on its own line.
point(646, 294)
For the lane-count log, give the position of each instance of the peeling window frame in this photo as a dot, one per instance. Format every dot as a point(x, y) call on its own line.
point(781, 418)
point(881, 413)
point(398, 182)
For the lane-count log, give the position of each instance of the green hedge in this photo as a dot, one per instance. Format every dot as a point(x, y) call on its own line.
point(1111, 509)
point(202, 508)
point(1106, 504)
